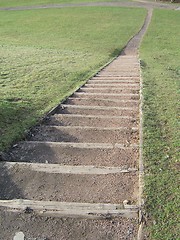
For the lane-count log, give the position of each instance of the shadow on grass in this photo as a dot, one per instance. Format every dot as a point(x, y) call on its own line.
point(15, 118)
point(116, 52)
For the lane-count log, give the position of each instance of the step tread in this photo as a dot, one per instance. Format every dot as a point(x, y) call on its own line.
point(91, 120)
point(93, 128)
point(94, 116)
point(108, 85)
point(27, 184)
point(98, 110)
point(95, 107)
point(111, 103)
point(84, 134)
point(108, 94)
point(110, 90)
point(98, 80)
point(46, 226)
point(68, 153)
point(118, 90)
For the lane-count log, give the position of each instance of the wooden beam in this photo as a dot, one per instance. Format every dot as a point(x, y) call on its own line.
point(71, 209)
point(67, 169)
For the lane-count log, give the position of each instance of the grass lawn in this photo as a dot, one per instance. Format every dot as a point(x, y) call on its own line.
point(46, 54)
point(13, 3)
point(161, 73)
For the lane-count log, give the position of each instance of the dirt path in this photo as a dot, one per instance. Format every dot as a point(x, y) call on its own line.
point(78, 176)
point(141, 4)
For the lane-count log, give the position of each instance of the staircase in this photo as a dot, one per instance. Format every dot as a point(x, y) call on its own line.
point(78, 176)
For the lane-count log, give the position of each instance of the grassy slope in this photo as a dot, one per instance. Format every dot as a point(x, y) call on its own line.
point(12, 3)
point(46, 54)
point(161, 73)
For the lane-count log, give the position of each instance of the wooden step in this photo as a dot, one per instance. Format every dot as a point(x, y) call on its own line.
point(76, 153)
point(85, 134)
point(109, 90)
point(23, 182)
point(120, 67)
point(92, 120)
point(120, 72)
point(116, 74)
point(71, 209)
point(98, 110)
point(119, 76)
point(112, 85)
point(118, 81)
point(46, 224)
point(122, 78)
point(103, 102)
point(66, 169)
point(124, 96)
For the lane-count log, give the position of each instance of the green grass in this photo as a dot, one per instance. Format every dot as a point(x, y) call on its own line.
point(46, 54)
point(13, 3)
point(161, 73)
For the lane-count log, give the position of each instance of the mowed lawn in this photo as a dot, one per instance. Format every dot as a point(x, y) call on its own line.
point(46, 54)
point(161, 75)
point(13, 3)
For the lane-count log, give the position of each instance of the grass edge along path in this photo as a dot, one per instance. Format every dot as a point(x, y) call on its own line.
point(161, 75)
point(37, 75)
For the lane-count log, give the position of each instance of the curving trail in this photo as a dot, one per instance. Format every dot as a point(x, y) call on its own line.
point(79, 175)
point(141, 4)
